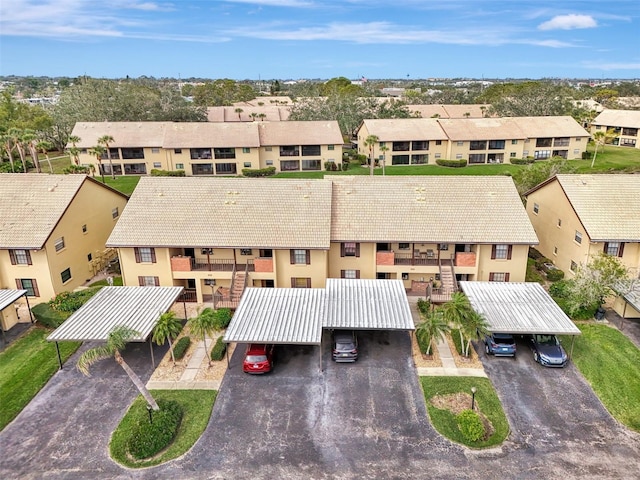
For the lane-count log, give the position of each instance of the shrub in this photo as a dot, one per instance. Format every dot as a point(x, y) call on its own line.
point(559, 289)
point(148, 438)
point(535, 254)
point(48, 317)
point(218, 350)
point(222, 318)
point(180, 347)
point(452, 163)
point(345, 166)
point(167, 173)
point(76, 169)
point(586, 155)
point(330, 166)
point(521, 161)
point(455, 336)
point(423, 306)
point(71, 301)
point(541, 261)
point(259, 172)
point(555, 275)
point(423, 340)
point(470, 425)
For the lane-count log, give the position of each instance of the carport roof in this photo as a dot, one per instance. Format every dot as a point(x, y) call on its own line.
point(278, 315)
point(365, 304)
point(522, 308)
point(8, 296)
point(631, 293)
point(137, 308)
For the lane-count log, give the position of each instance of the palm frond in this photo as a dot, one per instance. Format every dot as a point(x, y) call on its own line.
point(92, 356)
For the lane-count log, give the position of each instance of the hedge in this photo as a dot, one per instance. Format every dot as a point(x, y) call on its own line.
point(260, 172)
point(330, 166)
point(555, 275)
point(48, 317)
point(148, 438)
point(180, 347)
point(218, 350)
point(167, 173)
point(521, 161)
point(452, 163)
point(470, 425)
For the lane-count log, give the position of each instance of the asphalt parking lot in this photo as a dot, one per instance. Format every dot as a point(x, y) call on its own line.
point(362, 420)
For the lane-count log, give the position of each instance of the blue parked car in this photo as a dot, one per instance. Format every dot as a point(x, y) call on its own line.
point(500, 344)
point(547, 351)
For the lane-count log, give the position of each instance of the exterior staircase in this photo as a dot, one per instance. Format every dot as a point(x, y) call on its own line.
point(448, 284)
point(231, 298)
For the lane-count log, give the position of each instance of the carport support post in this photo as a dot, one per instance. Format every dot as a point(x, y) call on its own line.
point(59, 357)
point(153, 361)
point(227, 353)
point(573, 339)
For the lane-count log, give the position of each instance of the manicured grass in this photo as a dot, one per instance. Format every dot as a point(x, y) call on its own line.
point(197, 405)
point(487, 403)
point(25, 367)
point(117, 282)
point(609, 362)
point(611, 159)
point(125, 184)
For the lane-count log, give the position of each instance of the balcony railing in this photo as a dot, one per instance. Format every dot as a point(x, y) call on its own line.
point(421, 259)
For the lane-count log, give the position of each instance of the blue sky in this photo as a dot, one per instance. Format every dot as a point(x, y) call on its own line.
point(292, 39)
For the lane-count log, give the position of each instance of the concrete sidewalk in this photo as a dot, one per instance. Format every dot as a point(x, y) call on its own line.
point(449, 368)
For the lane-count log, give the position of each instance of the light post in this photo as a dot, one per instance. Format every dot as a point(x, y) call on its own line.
point(473, 397)
point(150, 410)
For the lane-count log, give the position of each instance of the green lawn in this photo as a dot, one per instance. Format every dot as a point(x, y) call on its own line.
point(197, 405)
point(117, 282)
point(609, 362)
point(25, 367)
point(125, 184)
point(487, 402)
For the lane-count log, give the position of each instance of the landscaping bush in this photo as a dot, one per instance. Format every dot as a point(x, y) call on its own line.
point(452, 163)
point(71, 301)
point(167, 173)
point(470, 425)
point(48, 317)
point(455, 336)
point(423, 306)
point(148, 438)
point(222, 318)
point(586, 155)
point(555, 275)
point(424, 340)
point(559, 289)
point(76, 169)
point(521, 161)
point(218, 350)
point(180, 347)
point(345, 165)
point(330, 166)
point(260, 172)
point(535, 254)
point(533, 275)
point(541, 261)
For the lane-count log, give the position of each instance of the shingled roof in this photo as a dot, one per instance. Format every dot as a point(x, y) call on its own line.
point(618, 118)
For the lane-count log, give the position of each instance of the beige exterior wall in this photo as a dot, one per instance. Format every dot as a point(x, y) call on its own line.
point(9, 317)
point(516, 267)
point(365, 263)
point(624, 309)
point(317, 270)
point(38, 271)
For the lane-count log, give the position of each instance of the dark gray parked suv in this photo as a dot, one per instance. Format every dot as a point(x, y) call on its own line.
point(345, 346)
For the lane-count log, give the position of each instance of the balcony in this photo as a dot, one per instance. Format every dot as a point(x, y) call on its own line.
point(465, 259)
point(419, 258)
point(188, 264)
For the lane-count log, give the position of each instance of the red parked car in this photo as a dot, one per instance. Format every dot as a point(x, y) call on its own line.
point(258, 358)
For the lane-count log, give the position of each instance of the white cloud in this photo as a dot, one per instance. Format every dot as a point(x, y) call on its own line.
point(611, 65)
point(275, 3)
point(569, 22)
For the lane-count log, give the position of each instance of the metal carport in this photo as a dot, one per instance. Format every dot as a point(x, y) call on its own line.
point(9, 297)
point(137, 308)
point(519, 308)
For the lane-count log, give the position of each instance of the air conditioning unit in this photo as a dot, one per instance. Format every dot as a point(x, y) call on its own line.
point(209, 281)
point(207, 251)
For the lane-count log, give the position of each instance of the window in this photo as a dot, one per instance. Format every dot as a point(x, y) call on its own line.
point(177, 151)
point(332, 147)
point(578, 139)
point(349, 249)
point(148, 281)
point(115, 212)
point(460, 144)
point(200, 154)
point(246, 150)
point(574, 266)
point(226, 169)
point(438, 142)
point(383, 144)
point(632, 132)
point(477, 145)
point(300, 282)
point(578, 237)
point(400, 160)
point(501, 252)
point(28, 284)
point(536, 208)
point(443, 246)
point(224, 153)
point(438, 155)
point(576, 151)
point(269, 163)
point(267, 149)
point(458, 156)
point(512, 154)
point(543, 142)
point(300, 257)
point(420, 145)
point(65, 275)
point(179, 166)
point(561, 142)
point(615, 249)
point(476, 158)
point(59, 244)
point(145, 255)
point(89, 257)
point(525, 152)
point(247, 164)
point(310, 150)
point(310, 164)
point(420, 159)
point(405, 276)
point(514, 142)
point(496, 144)
point(349, 273)
point(542, 154)
point(288, 165)
point(84, 228)
point(400, 146)
point(499, 277)
point(403, 246)
point(628, 142)
point(157, 165)
point(289, 151)
point(155, 150)
point(598, 127)
point(132, 153)
point(20, 257)
point(266, 253)
point(135, 169)
point(246, 251)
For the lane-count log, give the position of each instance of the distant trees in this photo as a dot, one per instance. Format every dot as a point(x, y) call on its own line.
point(527, 99)
point(223, 92)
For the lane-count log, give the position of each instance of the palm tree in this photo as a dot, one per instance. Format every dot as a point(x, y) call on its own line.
point(262, 116)
point(167, 329)
point(239, 111)
point(16, 139)
point(74, 151)
point(475, 327)
point(456, 313)
point(29, 138)
point(106, 140)
point(116, 341)
point(370, 142)
point(7, 144)
point(253, 115)
point(599, 138)
point(433, 327)
point(202, 325)
point(98, 151)
point(44, 147)
point(384, 149)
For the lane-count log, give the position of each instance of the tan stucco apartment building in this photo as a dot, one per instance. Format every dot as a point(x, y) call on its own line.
point(216, 236)
point(579, 216)
point(206, 148)
point(624, 123)
point(415, 141)
point(53, 230)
